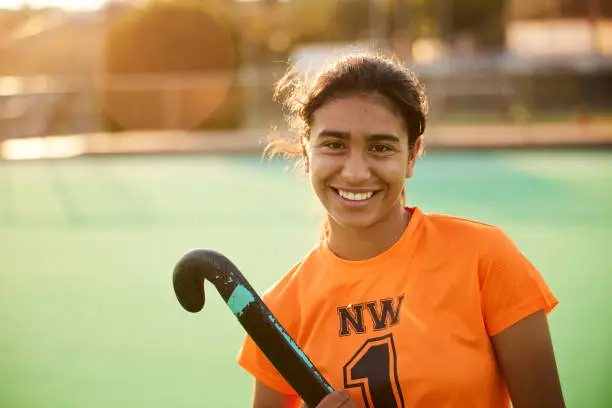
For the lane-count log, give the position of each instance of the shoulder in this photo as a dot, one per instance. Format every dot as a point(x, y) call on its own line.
point(474, 240)
point(286, 289)
point(462, 229)
point(490, 246)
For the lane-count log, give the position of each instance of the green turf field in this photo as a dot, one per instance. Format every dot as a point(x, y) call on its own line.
point(89, 318)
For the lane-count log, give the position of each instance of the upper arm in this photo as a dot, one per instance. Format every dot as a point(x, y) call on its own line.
point(266, 397)
point(526, 356)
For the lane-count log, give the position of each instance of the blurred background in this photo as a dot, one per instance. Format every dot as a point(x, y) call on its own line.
point(132, 131)
point(97, 66)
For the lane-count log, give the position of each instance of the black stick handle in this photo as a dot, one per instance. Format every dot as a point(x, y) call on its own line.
point(252, 313)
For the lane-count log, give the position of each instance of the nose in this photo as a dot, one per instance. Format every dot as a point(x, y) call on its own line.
point(356, 168)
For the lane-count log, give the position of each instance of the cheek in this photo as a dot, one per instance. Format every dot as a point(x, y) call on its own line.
point(393, 173)
point(322, 166)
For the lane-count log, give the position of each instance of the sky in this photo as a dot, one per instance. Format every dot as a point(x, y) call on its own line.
point(66, 4)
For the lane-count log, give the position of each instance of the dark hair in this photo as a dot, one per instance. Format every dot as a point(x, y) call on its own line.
point(357, 73)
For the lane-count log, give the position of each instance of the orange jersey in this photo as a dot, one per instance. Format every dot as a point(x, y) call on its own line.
point(410, 327)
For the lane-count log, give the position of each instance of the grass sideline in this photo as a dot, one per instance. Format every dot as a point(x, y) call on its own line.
point(437, 137)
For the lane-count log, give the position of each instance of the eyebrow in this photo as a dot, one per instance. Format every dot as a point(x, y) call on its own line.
point(375, 137)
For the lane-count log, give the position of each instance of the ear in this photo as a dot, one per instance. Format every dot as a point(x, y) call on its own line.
point(304, 151)
point(412, 156)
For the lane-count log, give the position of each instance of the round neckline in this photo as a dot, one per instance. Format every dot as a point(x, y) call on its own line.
point(402, 245)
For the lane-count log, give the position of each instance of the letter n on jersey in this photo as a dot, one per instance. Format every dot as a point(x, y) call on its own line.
point(383, 314)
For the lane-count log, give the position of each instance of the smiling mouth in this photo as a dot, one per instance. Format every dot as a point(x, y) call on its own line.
point(355, 196)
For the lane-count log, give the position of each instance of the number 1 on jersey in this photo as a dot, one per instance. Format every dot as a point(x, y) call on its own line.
point(373, 368)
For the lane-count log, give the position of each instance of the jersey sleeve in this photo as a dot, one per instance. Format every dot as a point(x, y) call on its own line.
point(511, 287)
point(281, 300)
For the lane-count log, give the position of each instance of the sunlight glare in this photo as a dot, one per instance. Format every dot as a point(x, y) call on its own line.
point(72, 5)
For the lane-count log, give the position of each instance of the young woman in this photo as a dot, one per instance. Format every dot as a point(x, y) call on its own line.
point(398, 307)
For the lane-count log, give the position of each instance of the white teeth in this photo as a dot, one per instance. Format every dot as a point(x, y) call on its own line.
point(355, 196)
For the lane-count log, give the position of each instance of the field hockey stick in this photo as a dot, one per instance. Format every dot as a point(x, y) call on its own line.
point(199, 265)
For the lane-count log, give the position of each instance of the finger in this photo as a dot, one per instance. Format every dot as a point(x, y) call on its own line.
point(336, 399)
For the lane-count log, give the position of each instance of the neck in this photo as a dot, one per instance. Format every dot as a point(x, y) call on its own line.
point(356, 244)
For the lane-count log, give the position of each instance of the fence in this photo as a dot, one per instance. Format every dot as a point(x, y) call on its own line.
point(461, 93)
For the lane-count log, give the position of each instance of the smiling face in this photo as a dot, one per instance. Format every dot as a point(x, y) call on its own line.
point(358, 159)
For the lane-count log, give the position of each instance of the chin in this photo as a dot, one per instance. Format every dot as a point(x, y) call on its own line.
point(354, 221)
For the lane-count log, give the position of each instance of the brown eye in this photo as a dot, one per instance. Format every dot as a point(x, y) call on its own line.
point(382, 148)
point(334, 145)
